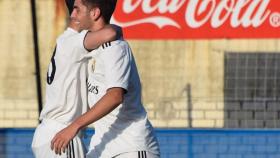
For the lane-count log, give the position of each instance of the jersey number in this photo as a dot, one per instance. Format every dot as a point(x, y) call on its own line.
point(52, 69)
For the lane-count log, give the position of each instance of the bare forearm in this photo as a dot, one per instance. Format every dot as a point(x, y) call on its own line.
point(95, 39)
point(104, 106)
point(107, 103)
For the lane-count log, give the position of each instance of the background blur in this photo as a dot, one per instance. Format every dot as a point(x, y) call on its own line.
point(217, 83)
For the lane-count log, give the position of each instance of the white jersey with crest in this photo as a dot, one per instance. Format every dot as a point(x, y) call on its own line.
point(126, 128)
point(66, 90)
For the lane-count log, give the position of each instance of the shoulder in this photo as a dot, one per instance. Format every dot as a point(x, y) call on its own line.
point(67, 33)
point(72, 39)
point(115, 50)
point(114, 45)
point(71, 35)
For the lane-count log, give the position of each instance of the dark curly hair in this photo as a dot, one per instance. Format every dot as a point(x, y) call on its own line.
point(107, 7)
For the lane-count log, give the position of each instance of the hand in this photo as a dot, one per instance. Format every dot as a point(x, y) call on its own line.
point(119, 31)
point(62, 139)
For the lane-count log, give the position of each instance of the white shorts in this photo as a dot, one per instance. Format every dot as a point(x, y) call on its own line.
point(44, 133)
point(137, 154)
point(134, 154)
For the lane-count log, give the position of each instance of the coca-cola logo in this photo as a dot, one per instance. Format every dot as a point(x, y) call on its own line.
point(196, 14)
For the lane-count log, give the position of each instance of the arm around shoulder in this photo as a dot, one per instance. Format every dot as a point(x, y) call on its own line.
point(95, 39)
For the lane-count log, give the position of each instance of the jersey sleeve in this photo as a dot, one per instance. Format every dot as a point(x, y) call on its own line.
point(69, 46)
point(117, 67)
point(74, 40)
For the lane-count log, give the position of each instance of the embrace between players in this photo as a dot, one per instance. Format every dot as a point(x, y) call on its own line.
point(93, 78)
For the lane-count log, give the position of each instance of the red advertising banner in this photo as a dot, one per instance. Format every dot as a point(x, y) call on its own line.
point(198, 19)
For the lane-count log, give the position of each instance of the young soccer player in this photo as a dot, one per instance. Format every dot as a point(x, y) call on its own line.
point(122, 129)
point(66, 89)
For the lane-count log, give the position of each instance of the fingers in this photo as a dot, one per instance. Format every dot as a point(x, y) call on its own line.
point(55, 146)
point(53, 142)
point(61, 148)
point(58, 145)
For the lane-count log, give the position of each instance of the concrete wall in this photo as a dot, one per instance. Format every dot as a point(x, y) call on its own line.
point(167, 67)
point(17, 81)
point(182, 80)
point(18, 96)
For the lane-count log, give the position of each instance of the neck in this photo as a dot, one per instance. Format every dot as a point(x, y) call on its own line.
point(98, 25)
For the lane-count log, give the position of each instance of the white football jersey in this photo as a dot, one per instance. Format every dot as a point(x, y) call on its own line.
point(66, 90)
point(127, 127)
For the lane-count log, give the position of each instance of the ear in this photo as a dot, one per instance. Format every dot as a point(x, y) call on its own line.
point(95, 13)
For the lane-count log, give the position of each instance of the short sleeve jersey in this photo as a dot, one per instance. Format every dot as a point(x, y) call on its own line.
point(127, 127)
point(66, 91)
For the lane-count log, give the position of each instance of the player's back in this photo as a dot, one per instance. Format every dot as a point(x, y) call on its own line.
point(66, 80)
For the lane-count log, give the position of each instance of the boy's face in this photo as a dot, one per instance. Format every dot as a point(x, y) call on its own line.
point(81, 15)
